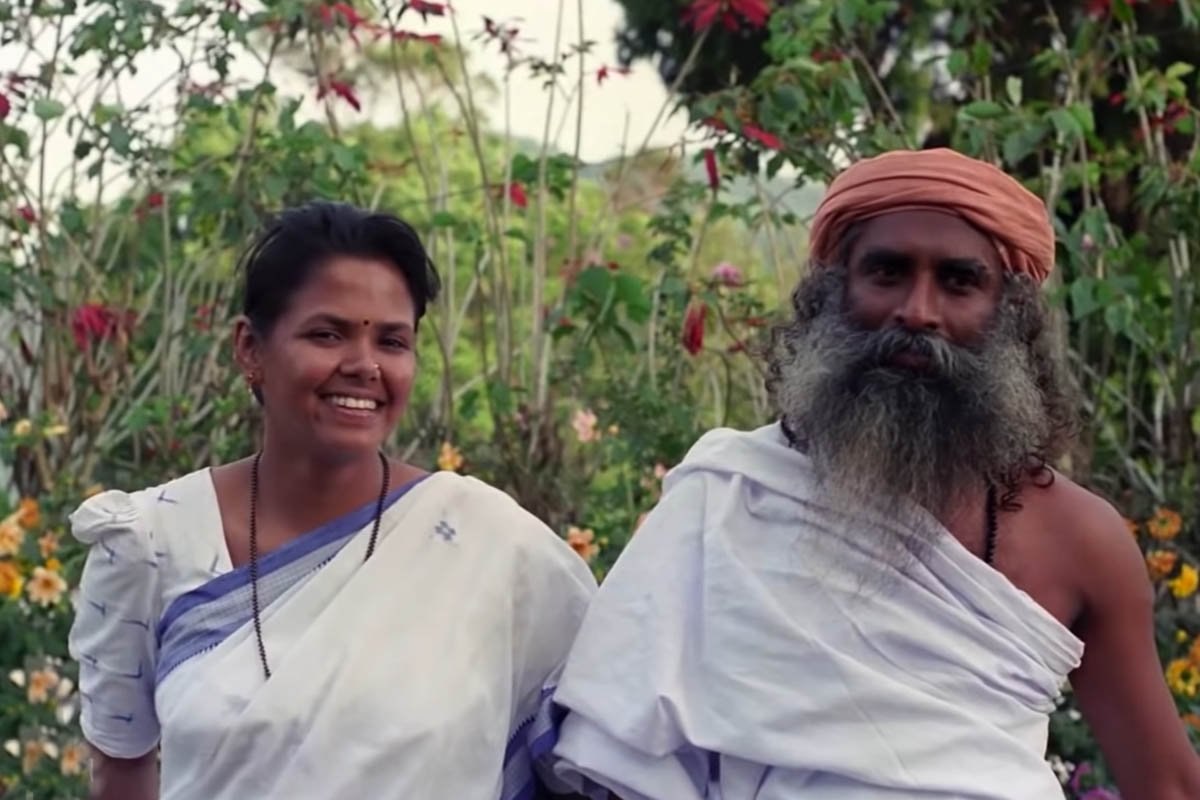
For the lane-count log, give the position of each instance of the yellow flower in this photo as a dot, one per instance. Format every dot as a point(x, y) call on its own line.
point(73, 757)
point(1164, 525)
point(582, 541)
point(613, 430)
point(584, 423)
point(22, 428)
point(450, 458)
point(54, 565)
point(1194, 653)
point(53, 431)
point(45, 587)
point(1183, 677)
point(28, 513)
point(1181, 636)
point(93, 490)
point(1184, 584)
point(41, 682)
point(11, 581)
point(11, 536)
point(1160, 563)
point(48, 543)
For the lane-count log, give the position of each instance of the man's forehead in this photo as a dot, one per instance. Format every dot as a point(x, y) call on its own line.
point(923, 234)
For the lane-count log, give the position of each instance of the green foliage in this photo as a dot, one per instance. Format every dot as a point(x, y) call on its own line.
point(554, 364)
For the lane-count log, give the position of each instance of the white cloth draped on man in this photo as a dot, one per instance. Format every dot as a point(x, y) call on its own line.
point(422, 668)
point(755, 644)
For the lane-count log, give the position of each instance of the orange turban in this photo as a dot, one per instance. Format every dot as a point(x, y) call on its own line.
point(938, 180)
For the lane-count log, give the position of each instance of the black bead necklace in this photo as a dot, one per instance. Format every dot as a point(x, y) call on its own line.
point(383, 487)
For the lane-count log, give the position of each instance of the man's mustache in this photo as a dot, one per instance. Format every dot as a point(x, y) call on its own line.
point(879, 349)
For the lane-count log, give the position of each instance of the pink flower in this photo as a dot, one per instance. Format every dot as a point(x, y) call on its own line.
point(26, 213)
point(584, 423)
point(727, 274)
point(428, 9)
point(693, 327)
point(5, 106)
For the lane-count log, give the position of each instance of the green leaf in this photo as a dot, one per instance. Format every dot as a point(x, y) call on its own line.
point(1179, 69)
point(1082, 112)
point(1066, 124)
point(983, 109)
point(46, 109)
point(594, 282)
point(1083, 298)
point(957, 62)
point(1012, 87)
point(443, 219)
point(120, 138)
point(1021, 143)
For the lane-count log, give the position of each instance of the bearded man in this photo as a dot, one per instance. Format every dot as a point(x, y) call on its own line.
point(883, 594)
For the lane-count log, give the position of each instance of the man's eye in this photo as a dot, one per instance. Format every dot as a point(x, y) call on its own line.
point(326, 336)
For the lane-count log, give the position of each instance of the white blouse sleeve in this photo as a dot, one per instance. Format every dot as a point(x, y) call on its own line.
point(113, 636)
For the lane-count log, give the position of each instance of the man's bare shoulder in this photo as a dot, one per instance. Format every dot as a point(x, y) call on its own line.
point(1094, 547)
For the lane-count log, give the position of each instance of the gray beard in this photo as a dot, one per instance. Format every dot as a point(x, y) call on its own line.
point(884, 437)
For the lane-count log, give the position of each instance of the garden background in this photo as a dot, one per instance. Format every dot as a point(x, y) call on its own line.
point(599, 313)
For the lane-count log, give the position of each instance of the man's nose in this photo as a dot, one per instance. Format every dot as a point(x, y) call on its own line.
point(921, 308)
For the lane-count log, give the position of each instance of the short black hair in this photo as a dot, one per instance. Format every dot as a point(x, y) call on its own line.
point(299, 240)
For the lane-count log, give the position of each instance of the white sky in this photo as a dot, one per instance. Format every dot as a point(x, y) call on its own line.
point(634, 99)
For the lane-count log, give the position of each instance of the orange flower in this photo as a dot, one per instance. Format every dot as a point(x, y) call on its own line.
point(1164, 525)
point(73, 757)
point(11, 581)
point(1160, 563)
point(11, 536)
point(41, 682)
point(582, 541)
point(46, 587)
point(1134, 528)
point(33, 751)
point(48, 543)
point(28, 513)
point(450, 458)
point(1193, 720)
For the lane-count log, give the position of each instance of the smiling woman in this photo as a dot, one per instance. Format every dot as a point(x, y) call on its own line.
point(318, 619)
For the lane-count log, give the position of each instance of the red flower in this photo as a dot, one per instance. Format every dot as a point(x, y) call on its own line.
point(26, 213)
point(1098, 8)
point(710, 165)
point(603, 72)
point(427, 9)
point(342, 90)
point(716, 123)
point(5, 106)
point(1116, 99)
point(93, 322)
point(762, 137)
point(693, 327)
point(701, 14)
point(330, 14)
point(516, 193)
point(202, 319)
point(407, 36)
